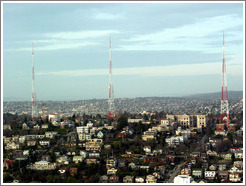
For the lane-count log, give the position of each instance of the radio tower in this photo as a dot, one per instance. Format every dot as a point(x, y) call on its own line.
point(111, 112)
point(224, 112)
point(34, 101)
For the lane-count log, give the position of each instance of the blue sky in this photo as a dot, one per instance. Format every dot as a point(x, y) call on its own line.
point(158, 49)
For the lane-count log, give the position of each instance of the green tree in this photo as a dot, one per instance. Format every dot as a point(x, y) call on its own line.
point(121, 122)
point(145, 117)
point(49, 178)
point(139, 127)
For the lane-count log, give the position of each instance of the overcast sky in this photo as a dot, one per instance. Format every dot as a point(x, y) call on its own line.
point(158, 49)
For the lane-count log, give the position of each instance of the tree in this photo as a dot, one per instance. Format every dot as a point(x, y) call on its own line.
point(49, 178)
point(139, 127)
point(121, 122)
point(145, 117)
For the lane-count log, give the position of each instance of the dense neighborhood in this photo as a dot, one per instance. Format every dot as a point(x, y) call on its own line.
point(145, 147)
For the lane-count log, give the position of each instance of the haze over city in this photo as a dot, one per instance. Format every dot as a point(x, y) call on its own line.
point(158, 49)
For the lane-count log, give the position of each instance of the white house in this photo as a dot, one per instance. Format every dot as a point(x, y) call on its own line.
point(77, 159)
point(183, 179)
point(53, 117)
point(209, 174)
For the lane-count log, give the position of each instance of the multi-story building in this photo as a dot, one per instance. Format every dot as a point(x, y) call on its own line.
point(43, 165)
point(186, 120)
point(83, 129)
point(93, 145)
point(84, 136)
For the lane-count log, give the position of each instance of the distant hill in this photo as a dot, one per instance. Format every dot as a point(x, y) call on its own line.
point(217, 95)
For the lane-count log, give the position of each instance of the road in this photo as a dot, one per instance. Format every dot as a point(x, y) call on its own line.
point(179, 166)
point(175, 172)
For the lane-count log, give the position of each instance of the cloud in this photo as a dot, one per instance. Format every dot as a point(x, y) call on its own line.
point(60, 46)
point(68, 40)
point(81, 34)
point(107, 16)
point(154, 71)
point(189, 37)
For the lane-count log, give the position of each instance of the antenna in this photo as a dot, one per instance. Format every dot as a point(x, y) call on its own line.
point(34, 101)
point(111, 112)
point(224, 112)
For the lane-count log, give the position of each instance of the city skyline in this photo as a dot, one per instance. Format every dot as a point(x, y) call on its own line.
point(165, 57)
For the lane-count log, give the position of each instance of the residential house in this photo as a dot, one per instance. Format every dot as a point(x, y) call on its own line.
point(112, 171)
point(234, 177)
point(132, 165)
point(147, 149)
point(103, 179)
point(100, 134)
point(197, 173)
point(63, 160)
point(12, 146)
point(236, 169)
point(128, 179)
point(209, 174)
point(238, 154)
point(78, 159)
point(6, 139)
point(31, 143)
point(50, 134)
point(7, 163)
point(238, 164)
point(211, 153)
point(182, 179)
point(83, 129)
point(150, 179)
point(84, 136)
point(91, 160)
point(44, 143)
point(94, 154)
point(44, 126)
point(195, 154)
point(45, 158)
point(22, 139)
point(139, 179)
point(149, 136)
point(214, 141)
point(21, 157)
point(212, 167)
point(185, 171)
point(226, 156)
point(222, 167)
point(234, 149)
point(144, 167)
point(94, 145)
point(121, 135)
point(114, 179)
point(83, 153)
point(43, 165)
point(62, 170)
point(220, 132)
point(73, 171)
point(111, 162)
point(223, 175)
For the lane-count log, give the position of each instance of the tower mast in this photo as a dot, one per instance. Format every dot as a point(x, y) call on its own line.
point(111, 111)
point(34, 101)
point(224, 112)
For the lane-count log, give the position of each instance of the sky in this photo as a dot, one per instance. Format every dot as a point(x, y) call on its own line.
point(158, 49)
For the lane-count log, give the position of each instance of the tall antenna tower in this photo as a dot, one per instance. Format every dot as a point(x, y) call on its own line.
point(111, 112)
point(224, 112)
point(34, 101)
point(43, 110)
